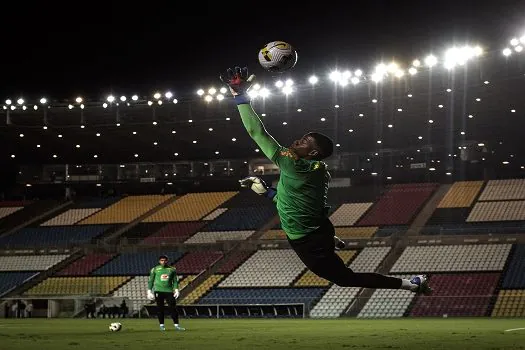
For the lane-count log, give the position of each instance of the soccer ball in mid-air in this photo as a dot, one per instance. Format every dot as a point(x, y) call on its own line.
point(277, 56)
point(115, 326)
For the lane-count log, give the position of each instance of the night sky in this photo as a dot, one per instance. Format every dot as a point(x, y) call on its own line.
point(92, 49)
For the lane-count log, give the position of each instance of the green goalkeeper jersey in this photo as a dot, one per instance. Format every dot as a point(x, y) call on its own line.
point(163, 279)
point(303, 183)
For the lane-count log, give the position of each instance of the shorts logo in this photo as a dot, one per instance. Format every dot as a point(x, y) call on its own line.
point(164, 277)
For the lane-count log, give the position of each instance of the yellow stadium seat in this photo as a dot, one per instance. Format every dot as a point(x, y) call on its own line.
point(190, 207)
point(202, 289)
point(274, 234)
point(510, 303)
point(126, 210)
point(461, 194)
point(346, 255)
point(78, 285)
point(183, 282)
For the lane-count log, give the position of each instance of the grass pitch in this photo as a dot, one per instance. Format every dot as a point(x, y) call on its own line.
point(62, 334)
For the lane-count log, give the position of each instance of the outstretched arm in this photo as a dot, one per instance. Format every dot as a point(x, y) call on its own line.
point(253, 124)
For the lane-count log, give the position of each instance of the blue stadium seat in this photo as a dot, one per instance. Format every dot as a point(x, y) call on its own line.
point(515, 276)
point(131, 264)
point(262, 296)
point(53, 236)
point(9, 280)
point(247, 198)
point(238, 219)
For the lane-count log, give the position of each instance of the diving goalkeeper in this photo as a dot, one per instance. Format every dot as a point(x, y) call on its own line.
point(301, 196)
point(163, 285)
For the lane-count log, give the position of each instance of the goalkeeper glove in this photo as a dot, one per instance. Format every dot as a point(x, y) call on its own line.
point(258, 186)
point(150, 295)
point(239, 83)
point(176, 293)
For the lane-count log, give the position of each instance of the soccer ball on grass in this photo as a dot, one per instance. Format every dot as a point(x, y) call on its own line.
point(115, 326)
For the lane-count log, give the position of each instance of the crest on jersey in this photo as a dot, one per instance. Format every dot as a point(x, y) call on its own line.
point(164, 277)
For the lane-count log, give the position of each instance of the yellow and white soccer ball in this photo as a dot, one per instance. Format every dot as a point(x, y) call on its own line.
point(277, 56)
point(115, 327)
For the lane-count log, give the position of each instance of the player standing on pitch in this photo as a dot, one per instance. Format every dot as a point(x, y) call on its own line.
point(301, 197)
point(163, 285)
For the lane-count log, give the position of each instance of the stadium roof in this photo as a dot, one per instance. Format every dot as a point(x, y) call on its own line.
point(451, 103)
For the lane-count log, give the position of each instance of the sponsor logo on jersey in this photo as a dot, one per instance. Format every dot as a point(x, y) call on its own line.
point(164, 277)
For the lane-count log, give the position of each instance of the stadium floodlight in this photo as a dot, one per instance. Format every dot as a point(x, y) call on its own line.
point(70, 106)
point(343, 82)
point(347, 75)
point(335, 76)
point(257, 87)
point(287, 90)
point(289, 82)
point(157, 95)
point(110, 98)
point(220, 97)
point(134, 97)
point(412, 71)
point(159, 102)
point(13, 108)
point(392, 68)
point(358, 73)
point(123, 98)
point(175, 101)
point(24, 107)
point(355, 80)
point(253, 93)
point(518, 48)
point(399, 73)
point(431, 61)
point(168, 95)
point(208, 98)
point(416, 63)
point(8, 102)
point(514, 41)
point(82, 106)
point(377, 77)
point(313, 80)
point(35, 107)
point(212, 91)
point(78, 100)
point(20, 101)
point(264, 92)
point(507, 52)
point(200, 92)
point(150, 103)
point(223, 90)
point(105, 105)
point(279, 84)
point(43, 100)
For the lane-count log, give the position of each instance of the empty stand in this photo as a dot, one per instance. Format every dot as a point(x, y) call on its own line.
point(461, 194)
point(515, 273)
point(201, 289)
point(10, 280)
point(243, 219)
point(510, 303)
point(29, 212)
point(86, 203)
point(497, 211)
point(369, 259)
point(53, 236)
point(196, 262)
point(190, 207)
point(85, 265)
point(126, 210)
point(457, 295)
point(481, 257)
point(387, 303)
point(215, 214)
point(216, 236)
point(449, 217)
point(388, 211)
point(30, 262)
point(131, 264)
point(247, 198)
point(138, 232)
point(348, 213)
point(503, 190)
point(70, 217)
point(334, 302)
point(265, 268)
point(355, 232)
point(6, 211)
point(274, 234)
point(77, 285)
point(233, 261)
point(262, 296)
point(176, 232)
point(135, 291)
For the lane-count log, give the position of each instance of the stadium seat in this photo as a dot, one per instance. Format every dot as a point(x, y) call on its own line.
point(355, 232)
point(6, 211)
point(95, 202)
point(214, 214)
point(70, 217)
point(78, 285)
point(274, 234)
point(30, 262)
point(10, 280)
point(233, 260)
point(510, 303)
point(84, 265)
point(445, 258)
point(388, 211)
point(216, 236)
point(59, 236)
point(196, 262)
point(175, 232)
point(132, 264)
point(461, 194)
point(135, 291)
point(190, 207)
point(126, 210)
point(514, 277)
point(457, 295)
point(503, 190)
point(201, 289)
point(242, 219)
point(498, 211)
point(247, 198)
point(387, 303)
point(266, 268)
point(349, 213)
point(334, 302)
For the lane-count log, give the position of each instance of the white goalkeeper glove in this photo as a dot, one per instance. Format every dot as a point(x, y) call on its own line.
point(176, 293)
point(150, 295)
point(258, 186)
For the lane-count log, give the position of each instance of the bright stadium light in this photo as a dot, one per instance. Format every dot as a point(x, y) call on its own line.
point(150, 103)
point(431, 61)
point(175, 101)
point(264, 92)
point(20, 101)
point(157, 95)
point(355, 80)
point(8, 102)
point(313, 80)
point(78, 100)
point(110, 99)
point(35, 107)
point(335, 76)
point(105, 105)
point(208, 98)
point(253, 93)
point(287, 90)
point(507, 52)
point(212, 91)
point(358, 73)
point(220, 97)
point(256, 86)
point(70, 106)
point(377, 77)
point(168, 95)
point(200, 92)
point(399, 73)
point(514, 41)
point(223, 90)
point(43, 100)
point(416, 63)
point(134, 97)
point(279, 84)
point(518, 48)
point(289, 82)
point(123, 98)
point(412, 71)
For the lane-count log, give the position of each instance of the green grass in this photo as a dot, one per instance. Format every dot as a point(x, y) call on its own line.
point(59, 334)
